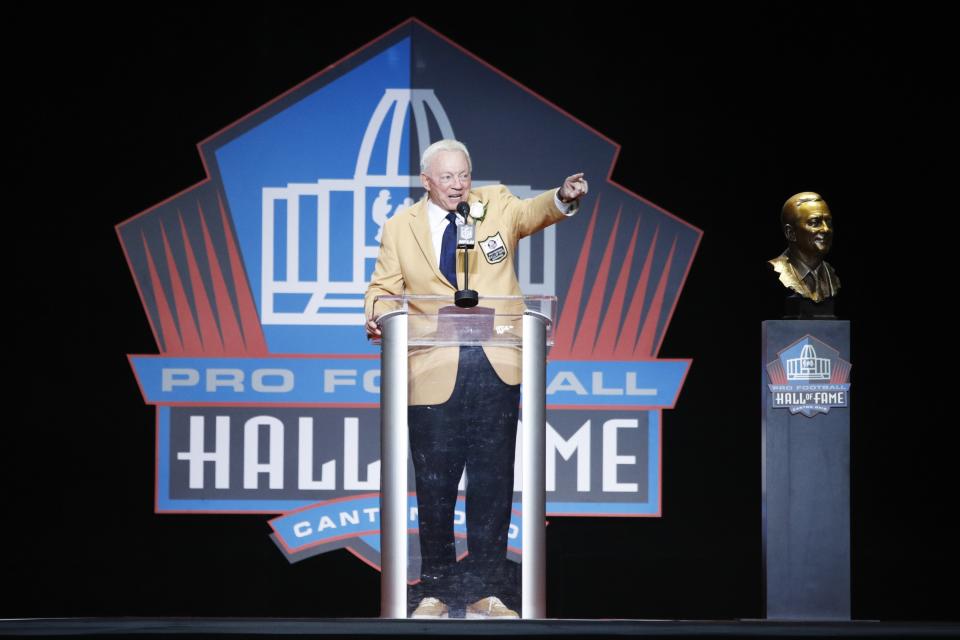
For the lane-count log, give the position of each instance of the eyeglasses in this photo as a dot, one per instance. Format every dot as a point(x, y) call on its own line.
point(445, 179)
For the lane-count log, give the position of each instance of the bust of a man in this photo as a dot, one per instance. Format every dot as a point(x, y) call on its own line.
point(808, 227)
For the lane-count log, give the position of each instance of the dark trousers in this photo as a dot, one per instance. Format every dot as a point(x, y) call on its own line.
point(475, 428)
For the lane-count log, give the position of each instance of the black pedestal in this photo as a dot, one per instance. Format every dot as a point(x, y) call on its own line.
point(806, 469)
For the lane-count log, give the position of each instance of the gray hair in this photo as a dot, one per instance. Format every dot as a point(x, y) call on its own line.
point(443, 145)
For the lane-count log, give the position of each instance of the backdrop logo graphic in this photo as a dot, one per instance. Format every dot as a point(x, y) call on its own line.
point(809, 377)
point(266, 389)
point(298, 282)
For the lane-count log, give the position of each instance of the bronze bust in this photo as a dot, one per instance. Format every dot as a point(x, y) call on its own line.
point(808, 227)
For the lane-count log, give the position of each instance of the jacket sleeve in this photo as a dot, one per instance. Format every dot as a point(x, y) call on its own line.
point(387, 279)
point(526, 217)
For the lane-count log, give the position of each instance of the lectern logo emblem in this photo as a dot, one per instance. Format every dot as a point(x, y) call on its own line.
point(809, 377)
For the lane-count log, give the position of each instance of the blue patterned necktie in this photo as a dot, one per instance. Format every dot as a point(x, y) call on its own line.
point(448, 250)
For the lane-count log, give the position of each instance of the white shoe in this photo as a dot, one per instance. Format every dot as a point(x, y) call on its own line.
point(431, 608)
point(490, 608)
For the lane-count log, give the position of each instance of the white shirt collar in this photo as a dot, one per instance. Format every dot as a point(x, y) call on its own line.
point(438, 217)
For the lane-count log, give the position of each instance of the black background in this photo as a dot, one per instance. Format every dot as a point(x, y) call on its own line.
point(721, 114)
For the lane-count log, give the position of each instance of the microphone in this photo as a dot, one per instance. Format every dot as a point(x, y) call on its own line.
point(466, 240)
point(465, 232)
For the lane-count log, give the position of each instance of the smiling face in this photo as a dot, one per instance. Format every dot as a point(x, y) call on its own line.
point(447, 179)
point(814, 228)
point(808, 226)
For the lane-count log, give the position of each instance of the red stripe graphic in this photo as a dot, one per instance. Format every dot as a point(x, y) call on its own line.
point(168, 328)
point(776, 373)
point(644, 348)
point(587, 331)
point(605, 332)
point(631, 322)
point(566, 326)
point(209, 333)
point(605, 348)
point(188, 328)
point(840, 373)
point(229, 327)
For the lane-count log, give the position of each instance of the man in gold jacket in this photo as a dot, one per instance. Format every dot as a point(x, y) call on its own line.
point(463, 402)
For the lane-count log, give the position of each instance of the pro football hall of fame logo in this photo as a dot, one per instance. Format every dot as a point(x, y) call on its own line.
point(266, 389)
point(809, 377)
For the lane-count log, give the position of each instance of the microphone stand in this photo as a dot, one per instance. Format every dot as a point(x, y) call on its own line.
point(466, 297)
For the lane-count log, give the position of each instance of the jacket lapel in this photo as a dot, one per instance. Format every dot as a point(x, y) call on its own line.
point(473, 197)
point(420, 226)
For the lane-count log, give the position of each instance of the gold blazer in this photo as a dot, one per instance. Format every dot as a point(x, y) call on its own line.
point(407, 264)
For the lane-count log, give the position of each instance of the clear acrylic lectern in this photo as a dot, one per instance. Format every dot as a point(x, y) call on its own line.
point(435, 354)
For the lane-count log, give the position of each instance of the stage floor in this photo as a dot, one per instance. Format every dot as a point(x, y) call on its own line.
point(356, 628)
